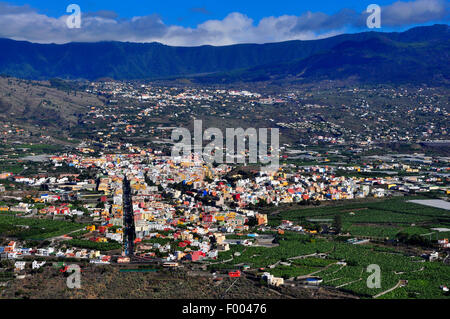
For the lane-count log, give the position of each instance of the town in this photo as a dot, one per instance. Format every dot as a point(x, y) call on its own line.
point(108, 192)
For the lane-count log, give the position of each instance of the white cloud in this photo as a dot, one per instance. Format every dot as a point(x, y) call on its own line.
point(419, 11)
point(24, 23)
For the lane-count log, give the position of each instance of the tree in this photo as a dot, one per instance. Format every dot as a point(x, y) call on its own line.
point(337, 224)
point(402, 237)
point(252, 222)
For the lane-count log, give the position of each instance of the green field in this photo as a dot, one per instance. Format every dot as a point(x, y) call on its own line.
point(376, 219)
point(383, 219)
point(351, 277)
point(11, 168)
point(32, 228)
point(93, 245)
point(290, 245)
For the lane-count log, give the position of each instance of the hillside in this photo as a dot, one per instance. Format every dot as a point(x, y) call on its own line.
point(35, 104)
point(364, 55)
point(377, 60)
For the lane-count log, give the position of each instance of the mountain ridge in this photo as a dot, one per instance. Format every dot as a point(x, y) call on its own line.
point(149, 61)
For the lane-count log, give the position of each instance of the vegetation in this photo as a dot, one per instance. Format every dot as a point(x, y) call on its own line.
point(94, 245)
point(32, 228)
point(383, 219)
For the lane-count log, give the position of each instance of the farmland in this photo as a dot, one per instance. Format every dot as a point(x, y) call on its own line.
point(350, 276)
point(94, 245)
point(384, 219)
point(291, 245)
point(344, 265)
point(32, 228)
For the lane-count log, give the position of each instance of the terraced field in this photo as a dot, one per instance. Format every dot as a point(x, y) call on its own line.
point(376, 219)
point(384, 219)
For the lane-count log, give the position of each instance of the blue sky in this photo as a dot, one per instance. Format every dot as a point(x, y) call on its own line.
point(214, 22)
point(192, 12)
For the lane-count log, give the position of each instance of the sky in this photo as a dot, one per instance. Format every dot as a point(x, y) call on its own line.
point(208, 22)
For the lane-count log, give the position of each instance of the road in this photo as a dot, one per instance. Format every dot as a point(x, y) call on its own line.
point(401, 283)
point(129, 234)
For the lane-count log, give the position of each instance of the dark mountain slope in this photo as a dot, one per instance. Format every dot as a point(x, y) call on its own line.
point(363, 55)
point(376, 60)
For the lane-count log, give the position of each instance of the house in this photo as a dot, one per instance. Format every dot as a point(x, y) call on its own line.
point(272, 280)
point(45, 252)
point(219, 238)
point(105, 258)
point(11, 246)
point(261, 219)
point(114, 236)
point(123, 260)
point(286, 223)
point(179, 255)
point(208, 218)
point(19, 265)
point(314, 281)
point(169, 264)
point(276, 281)
point(47, 198)
point(195, 255)
point(8, 255)
point(5, 175)
point(94, 254)
point(431, 256)
point(21, 208)
point(213, 254)
point(25, 251)
point(444, 243)
point(223, 247)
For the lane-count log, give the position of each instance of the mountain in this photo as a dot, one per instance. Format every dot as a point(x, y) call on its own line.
point(368, 56)
point(121, 61)
point(376, 60)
